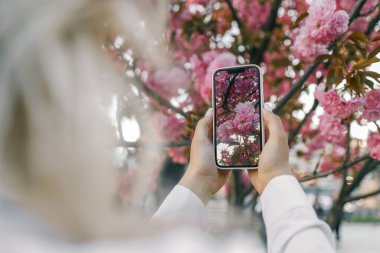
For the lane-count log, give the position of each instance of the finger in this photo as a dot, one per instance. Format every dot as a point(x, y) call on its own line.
point(203, 124)
point(274, 124)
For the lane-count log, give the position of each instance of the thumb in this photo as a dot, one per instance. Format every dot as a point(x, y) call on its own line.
point(274, 124)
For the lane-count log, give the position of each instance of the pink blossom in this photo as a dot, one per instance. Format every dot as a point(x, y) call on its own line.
point(167, 82)
point(246, 119)
point(359, 25)
point(201, 2)
point(331, 130)
point(374, 145)
point(225, 157)
point(372, 105)
point(333, 160)
point(253, 13)
point(203, 70)
point(333, 104)
point(338, 24)
point(178, 155)
point(307, 130)
point(321, 27)
point(244, 86)
point(225, 131)
point(171, 127)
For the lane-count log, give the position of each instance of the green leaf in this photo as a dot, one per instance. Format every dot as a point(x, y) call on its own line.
point(358, 36)
point(323, 57)
point(369, 83)
point(355, 83)
point(335, 75)
point(299, 19)
point(374, 75)
point(374, 52)
point(377, 38)
point(364, 63)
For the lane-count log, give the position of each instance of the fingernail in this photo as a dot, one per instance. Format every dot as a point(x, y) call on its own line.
point(209, 111)
point(267, 107)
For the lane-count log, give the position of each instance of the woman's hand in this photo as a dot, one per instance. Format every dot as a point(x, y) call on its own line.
point(274, 158)
point(202, 176)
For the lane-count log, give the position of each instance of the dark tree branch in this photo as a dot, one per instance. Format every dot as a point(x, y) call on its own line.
point(231, 83)
point(372, 24)
point(296, 86)
point(234, 15)
point(162, 101)
point(370, 166)
point(149, 92)
point(347, 155)
point(324, 174)
point(257, 55)
point(354, 198)
point(369, 12)
point(295, 132)
point(355, 13)
point(336, 170)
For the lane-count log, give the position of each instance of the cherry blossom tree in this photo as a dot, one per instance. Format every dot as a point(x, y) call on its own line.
point(316, 56)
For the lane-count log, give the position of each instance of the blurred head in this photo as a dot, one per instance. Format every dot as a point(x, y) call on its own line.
point(56, 84)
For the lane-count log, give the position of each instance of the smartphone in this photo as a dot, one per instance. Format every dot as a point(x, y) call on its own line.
point(238, 132)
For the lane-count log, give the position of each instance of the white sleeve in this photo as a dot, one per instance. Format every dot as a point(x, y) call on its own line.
point(181, 205)
point(291, 222)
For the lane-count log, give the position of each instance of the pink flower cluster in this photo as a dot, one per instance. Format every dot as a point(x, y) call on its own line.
point(372, 105)
point(374, 145)
point(253, 13)
point(360, 24)
point(322, 26)
point(167, 82)
point(333, 160)
point(243, 154)
point(245, 121)
point(204, 67)
point(172, 129)
point(184, 45)
point(334, 105)
point(331, 130)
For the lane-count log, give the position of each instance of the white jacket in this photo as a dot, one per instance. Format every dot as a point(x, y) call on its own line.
point(291, 224)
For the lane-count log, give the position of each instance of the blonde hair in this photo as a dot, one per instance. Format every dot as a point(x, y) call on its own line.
point(55, 81)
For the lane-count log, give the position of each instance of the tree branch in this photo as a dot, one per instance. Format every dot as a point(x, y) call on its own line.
point(296, 86)
point(372, 24)
point(257, 56)
point(148, 91)
point(356, 10)
point(231, 82)
point(338, 169)
point(162, 101)
point(234, 15)
point(294, 133)
point(370, 166)
point(354, 198)
point(347, 154)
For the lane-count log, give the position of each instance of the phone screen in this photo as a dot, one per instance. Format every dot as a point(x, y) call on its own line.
point(237, 116)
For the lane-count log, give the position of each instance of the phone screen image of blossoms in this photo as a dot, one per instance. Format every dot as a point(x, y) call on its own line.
point(237, 129)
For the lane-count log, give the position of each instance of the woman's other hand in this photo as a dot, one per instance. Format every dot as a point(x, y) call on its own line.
point(202, 176)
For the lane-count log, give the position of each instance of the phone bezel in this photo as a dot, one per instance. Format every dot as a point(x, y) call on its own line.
point(260, 108)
